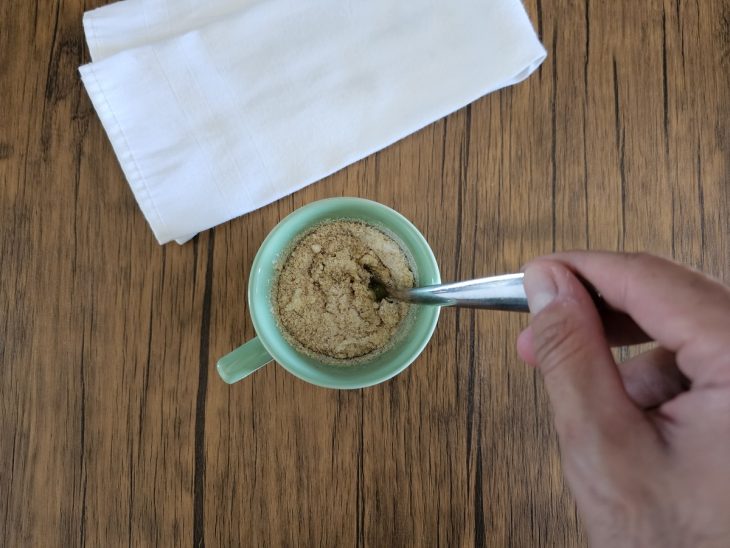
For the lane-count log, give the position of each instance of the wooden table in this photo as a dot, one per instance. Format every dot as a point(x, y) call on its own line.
point(115, 428)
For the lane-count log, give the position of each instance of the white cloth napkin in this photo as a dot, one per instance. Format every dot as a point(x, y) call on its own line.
point(217, 108)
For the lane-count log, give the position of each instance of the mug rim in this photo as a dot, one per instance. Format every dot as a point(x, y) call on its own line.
point(263, 332)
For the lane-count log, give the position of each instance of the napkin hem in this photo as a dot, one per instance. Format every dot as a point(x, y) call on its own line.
point(92, 35)
point(124, 153)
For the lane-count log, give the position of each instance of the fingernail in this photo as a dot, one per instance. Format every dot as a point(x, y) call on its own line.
point(540, 287)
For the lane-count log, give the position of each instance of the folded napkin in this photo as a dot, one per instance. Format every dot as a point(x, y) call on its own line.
point(217, 108)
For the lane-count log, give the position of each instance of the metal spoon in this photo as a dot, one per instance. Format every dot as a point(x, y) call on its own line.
point(495, 293)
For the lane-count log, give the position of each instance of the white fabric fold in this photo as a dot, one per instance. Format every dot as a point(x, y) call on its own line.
point(216, 109)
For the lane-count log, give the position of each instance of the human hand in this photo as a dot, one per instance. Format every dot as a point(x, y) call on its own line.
point(645, 444)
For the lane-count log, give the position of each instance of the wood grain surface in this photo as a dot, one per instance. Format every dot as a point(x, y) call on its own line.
point(114, 427)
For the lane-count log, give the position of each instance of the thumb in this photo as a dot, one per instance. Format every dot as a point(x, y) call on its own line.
point(571, 351)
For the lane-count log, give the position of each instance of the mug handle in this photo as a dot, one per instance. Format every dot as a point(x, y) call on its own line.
point(243, 361)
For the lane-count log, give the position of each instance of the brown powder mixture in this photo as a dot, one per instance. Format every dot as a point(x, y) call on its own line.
point(323, 298)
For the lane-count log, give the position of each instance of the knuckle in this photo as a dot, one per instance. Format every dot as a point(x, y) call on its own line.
point(641, 258)
point(557, 340)
point(572, 432)
point(641, 263)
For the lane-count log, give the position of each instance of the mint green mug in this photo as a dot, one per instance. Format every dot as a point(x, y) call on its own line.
point(270, 344)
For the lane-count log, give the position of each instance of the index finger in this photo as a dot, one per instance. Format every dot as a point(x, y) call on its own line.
point(684, 310)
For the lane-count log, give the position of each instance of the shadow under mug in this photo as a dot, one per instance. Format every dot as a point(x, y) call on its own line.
point(270, 344)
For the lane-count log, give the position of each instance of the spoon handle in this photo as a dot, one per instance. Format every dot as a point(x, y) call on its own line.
point(495, 293)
